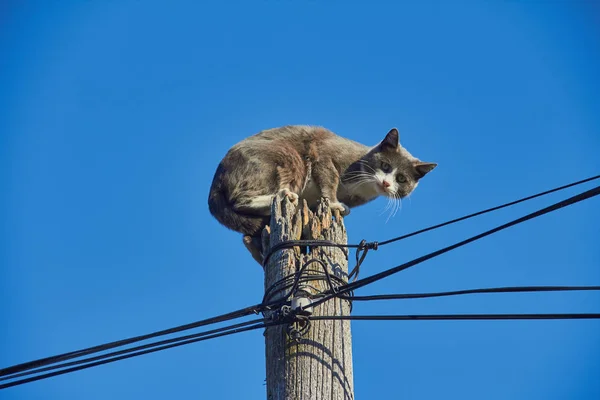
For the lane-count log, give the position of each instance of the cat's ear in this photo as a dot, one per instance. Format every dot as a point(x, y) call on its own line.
point(423, 168)
point(391, 140)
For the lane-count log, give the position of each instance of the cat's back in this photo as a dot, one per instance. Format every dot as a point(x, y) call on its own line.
point(289, 134)
point(304, 141)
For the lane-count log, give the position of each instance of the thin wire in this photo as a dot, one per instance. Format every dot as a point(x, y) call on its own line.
point(126, 351)
point(488, 210)
point(376, 277)
point(257, 324)
point(361, 254)
point(508, 289)
point(297, 277)
point(289, 281)
point(455, 317)
point(302, 270)
point(119, 343)
point(287, 244)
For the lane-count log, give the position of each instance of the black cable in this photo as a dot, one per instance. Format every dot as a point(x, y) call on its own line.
point(310, 275)
point(126, 351)
point(297, 277)
point(111, 345)
point(302, 270)
point(488, 210)
point(288, 244)
point(376, 277)
point(255, 324)
point(508, 289)
point(454, 317)
point(361, 254)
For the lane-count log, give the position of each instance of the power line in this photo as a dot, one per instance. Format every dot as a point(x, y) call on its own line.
point(456, 317)
point(376, 277)
point(137, 351)
point(119, 343)
point(508, 289)
point(258, 324)
point(26, 372)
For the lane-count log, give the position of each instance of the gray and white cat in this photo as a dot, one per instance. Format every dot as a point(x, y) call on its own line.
point(306, 162)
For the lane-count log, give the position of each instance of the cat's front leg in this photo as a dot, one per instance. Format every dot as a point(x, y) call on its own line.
point(288, 176)
point(327, 178)
point(341, 207)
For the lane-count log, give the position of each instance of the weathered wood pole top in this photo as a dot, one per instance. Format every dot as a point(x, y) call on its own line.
point(318, 365)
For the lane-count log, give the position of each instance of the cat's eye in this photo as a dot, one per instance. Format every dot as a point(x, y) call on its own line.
point(401, 178)
point(385, 167)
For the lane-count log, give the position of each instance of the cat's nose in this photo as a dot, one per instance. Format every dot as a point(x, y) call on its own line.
point(385, 184)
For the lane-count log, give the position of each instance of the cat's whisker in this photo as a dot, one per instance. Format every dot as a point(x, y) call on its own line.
point(357, 176)
point(393, 206)
point(395, 200)
point(354, 173)
point(387, 206)
point(366, 164)
point(354, 185)
point(358, 180)
point(362, 182)
point(399, 207)
point(391, 202)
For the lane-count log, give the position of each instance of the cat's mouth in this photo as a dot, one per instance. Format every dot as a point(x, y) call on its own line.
point(385, 190)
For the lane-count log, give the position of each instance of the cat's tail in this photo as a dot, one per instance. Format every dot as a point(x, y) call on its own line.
point(221, 208)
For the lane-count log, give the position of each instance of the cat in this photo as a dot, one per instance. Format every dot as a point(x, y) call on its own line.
point(306, 162)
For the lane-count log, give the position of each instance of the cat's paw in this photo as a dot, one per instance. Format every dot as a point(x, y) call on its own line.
point(253, 244)
point(341, 207)
point(293, 197)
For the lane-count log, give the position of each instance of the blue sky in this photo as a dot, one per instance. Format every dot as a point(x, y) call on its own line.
point(114, 115)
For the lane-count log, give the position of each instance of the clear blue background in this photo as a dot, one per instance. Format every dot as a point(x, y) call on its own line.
point(114, 115)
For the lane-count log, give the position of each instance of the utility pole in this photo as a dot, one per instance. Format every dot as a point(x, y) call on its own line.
point(316, 364)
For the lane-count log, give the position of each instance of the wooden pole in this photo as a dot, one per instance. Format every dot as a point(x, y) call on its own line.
point(318, 365)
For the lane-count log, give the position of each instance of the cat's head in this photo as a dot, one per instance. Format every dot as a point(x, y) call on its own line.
point(390, 170)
